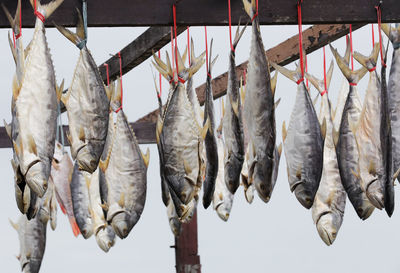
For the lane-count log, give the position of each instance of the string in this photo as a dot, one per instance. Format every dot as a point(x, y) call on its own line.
point(351, 48)
point(108, 75)
point(172, 56)
point(300, 40)
point(306, 72)
point(188, 44)
point(230, 25)
point(176, 45)
point(120, 79)
point(37, 13)
point(256, 14)
point(159, 75)
point(379, 14)
point(373, 35)
point(326, 89)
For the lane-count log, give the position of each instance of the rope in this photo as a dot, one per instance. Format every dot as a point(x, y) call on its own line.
point(230, 25)
point(256, 14)
point(188, 44)
point(159, 75)
point(373, 35)
point(351, 48)
point(306, 72)
point(37, 13)
point(108, 75)
point(172, 56)
point(176, 45)
point(353, 84)
point(326, 88)
point(379, 14)
point(120, 79)
point(300, 41)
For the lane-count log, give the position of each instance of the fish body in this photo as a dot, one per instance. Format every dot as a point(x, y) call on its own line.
point(61, 174)
point(233, 125)
point(346, 143)
point(81, 202)
point(123, 168)
point(330, 200)
point(87, 106)
point(105, 235)
point(36, 108)
point(259, 112)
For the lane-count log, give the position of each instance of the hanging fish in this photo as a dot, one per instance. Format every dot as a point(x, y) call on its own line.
point(87, 104)
point(303, 142)
point(61, 174)
point(32, 241)
point(80, 201)
point(105, 235)
point(210, 141)
point(123, 170)
point(345, 142)
point(330, 200)
point(259, 112)
point(232, 123)
point(180, 137)
point(223, 198)
point(36, 107)
point(393, 88)
point(27, 201)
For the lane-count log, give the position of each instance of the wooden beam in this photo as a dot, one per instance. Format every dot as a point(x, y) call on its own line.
point(116, 13)
point(284, 53)
point(144, 132)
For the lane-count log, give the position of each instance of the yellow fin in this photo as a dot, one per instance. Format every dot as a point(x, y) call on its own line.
point(395, 175)
point(335, 136)
point(370, 61)
point(274, 79)
point(205, 129)
point(16, 148)
point(372, 168)
point(14, 225)
point(59, 90)
point(277, 103)
point(121, 201)
point(280, 149)
point(104, 206)
point(323, 128)
point(284, 132)
point(235, 106)
point(188, 169)
point(146, 157)
point(87, 180)
point(82, 134)
point(223, 108)
point(248, 7)
point(32, 145)
point(48, 8)
point(8, 128)
point(15, 87)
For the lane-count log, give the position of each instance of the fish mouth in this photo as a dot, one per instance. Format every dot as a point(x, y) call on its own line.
point(103, 240)
point(35, 178)
point(302, 195)
point(325, 230)
point(120, 225)
point(364, 211)
point(86, 232)
point(85, 160)
point(222, 212)
point(374, 195)
point(326, 236)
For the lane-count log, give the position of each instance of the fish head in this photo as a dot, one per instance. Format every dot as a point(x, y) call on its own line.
point(105, 238)
point(87, 159)
point(261, 178)
point(175, 226)
point(123, 222)
point(303, 194)
point(223, 211)
point(33, 266)
point(374, 193)
point(232, 170)
point(37, 179)
point(327, 226)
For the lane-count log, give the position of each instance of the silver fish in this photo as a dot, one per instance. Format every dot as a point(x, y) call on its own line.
point(330, 200)
point(105, 235)
point(36, 108)
point(61, 174)
point(80, 201)
point(346, 145)
point(210, 141)
point(259, 112)
point(32, 241)
point(87, 105)
point(223, 198)
point(180, 137)
point(232, 124)
point(368, 134)
point(123, 168)
point(303, 142)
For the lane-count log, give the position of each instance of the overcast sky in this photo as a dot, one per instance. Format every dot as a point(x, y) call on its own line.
point(276, 237)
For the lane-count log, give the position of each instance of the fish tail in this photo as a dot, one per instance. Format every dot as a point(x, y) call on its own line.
point(250, 7)
point(348, 51)
point(196, 62)
point(48, 8)
point(74, 226)
point(393, 33)
point(14, 22)
point(238, 35)
point(319, 84)
point(78, 38)
point(294, 75)
point(164, 69)
point(353, 76)
point(370, 61)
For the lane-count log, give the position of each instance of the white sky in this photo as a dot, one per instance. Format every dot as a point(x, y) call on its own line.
point(278, 237)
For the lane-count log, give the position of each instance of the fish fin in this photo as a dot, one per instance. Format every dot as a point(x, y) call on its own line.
point(13, 50)
point(352, 76)
point(159, 126)
point(335, 136)
point(223, 108)
point(317, 83)
point(146, 157)
point(187, 168)
point(8, 128)
point(357, 175)
point(238, 35)
point(121, 201)
point(395, 175)
point(205, 129)
point(277, 103)
point(315, 100)
point(14, 22)
point(329, 75)
point(75, 228)
point(64, 211)
point(16, 147)
point(323, 128)
point(48, 8)
point(202, 114)
point(104, 206)
point(32, 145)
point(14, 225)
point(347, 53)
point(74, 38)
point(82, 134)
point(249, 7)
point(103, 165)
point(280, 149)
point(110, 90)
point(65, 97)
point(15, 87)
point(80, 26)
point(293, 75)
point(235, 106)
point(181, 62)
point(284, 132)
point(184, 56)
point(87, 181)
point(59, 90)
point(370, 61)
point(372, 168)
point(242, 91)
point(274, 80)
point(69, 136)
point(298, 173)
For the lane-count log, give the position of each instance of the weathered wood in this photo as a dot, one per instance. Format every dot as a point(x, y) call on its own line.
point(116, 13)
point(284, 53)
point(144, 132)
point(186, 255)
